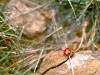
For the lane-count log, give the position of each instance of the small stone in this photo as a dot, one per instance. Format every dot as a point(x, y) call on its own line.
point(53, 59)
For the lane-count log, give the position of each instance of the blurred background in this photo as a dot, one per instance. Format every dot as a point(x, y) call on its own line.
point(28, 26)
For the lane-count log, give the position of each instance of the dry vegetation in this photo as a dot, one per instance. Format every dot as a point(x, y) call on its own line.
point(29, 29)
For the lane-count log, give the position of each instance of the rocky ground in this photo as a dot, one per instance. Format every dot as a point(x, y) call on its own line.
point(81, 63)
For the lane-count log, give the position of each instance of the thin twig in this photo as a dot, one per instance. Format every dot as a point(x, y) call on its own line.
point(39, 59)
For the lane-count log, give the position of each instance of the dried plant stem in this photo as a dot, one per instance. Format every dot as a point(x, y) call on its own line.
point(54, 22)
point(83, 35)
point(38, 59)
point(93, 32)
point(18, 62)
point(96, 46)
point(50, 35)
point(71, 66)
point(22, 60)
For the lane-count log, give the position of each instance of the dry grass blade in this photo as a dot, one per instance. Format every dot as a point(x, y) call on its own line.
point(71, 66)
point(39, 59)
point(83, 35)
point(27, 60)
point(49, 35)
